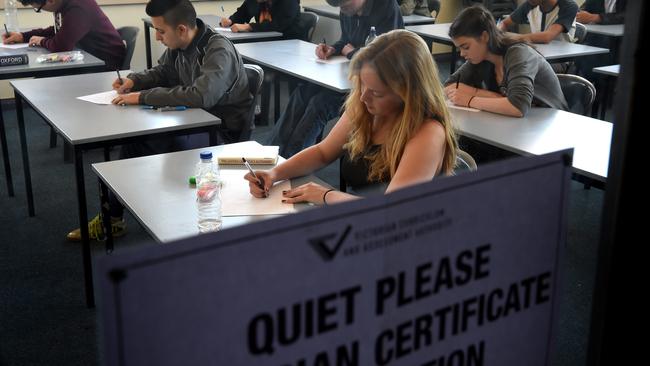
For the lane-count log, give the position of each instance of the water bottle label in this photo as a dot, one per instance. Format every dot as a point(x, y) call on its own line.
point(206, 191)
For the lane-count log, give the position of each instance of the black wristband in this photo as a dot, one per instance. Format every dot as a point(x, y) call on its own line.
point(470, 101)
point(325, 195)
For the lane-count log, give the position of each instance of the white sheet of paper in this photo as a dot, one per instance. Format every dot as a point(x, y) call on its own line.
point(100, 98)
point(14, 46)
point(237, 200)
point(332, 60)
point(452, 105)
point(223, 29)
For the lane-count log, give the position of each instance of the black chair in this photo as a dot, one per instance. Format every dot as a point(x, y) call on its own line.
point(434, 8)
point(579, 93)
point(464, 162)
point(129, 35)
point(308, 21)
point(580, 33)
point(255, 76)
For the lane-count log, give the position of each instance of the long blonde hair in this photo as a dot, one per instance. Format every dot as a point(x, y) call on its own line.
point(403, 62)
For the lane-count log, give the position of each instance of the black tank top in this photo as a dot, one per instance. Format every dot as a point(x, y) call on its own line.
point(355, 172)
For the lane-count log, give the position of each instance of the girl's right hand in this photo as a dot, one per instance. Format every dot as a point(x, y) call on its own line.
point(260, 189)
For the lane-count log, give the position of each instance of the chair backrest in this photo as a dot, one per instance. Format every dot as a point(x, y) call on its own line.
point(580, 33)
point(434, 7)
point(579, 93)
point(255, 76)
point(308, 21)
point(129, 36)
point(464, 161)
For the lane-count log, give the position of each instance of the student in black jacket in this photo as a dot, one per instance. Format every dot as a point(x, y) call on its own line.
point(270, 16)
point(602, 12)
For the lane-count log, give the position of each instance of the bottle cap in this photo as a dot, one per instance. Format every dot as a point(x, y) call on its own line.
point(205, 155)
point(192, 180)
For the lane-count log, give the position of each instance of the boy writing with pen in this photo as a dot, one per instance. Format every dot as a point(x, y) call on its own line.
point(199, 69)
point(270, 16)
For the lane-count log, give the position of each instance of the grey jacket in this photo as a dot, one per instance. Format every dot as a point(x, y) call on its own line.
point(208, 74)
point(528, 79)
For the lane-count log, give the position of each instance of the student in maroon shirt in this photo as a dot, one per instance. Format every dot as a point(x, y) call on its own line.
point(77, 23)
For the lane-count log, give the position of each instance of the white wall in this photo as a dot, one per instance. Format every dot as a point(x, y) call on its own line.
point(131, 15)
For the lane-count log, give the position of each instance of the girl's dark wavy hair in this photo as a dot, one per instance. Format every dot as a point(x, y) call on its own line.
point(473, 21)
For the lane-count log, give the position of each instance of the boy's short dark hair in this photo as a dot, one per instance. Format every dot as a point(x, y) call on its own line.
point(30, 2)
point(174, 12)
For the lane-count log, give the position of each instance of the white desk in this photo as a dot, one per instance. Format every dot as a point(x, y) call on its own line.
point(86, 126)
point(298, 59)
point(553, 51)
point(213, 22)
point(544, 130)
point(34, 68)
point(163, 202)
point(611, 30)
point(608, 73)
point(334, 13)
point(612, 70)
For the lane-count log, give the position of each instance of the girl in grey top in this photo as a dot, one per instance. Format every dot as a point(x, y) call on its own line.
point(501, 75)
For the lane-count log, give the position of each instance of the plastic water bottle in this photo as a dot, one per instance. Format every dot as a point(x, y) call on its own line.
point(371, 36)
point(11, 15)
point(208, 194)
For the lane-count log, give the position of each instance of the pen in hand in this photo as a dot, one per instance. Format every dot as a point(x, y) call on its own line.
point(260, 181)
point(458, 81)
point(6, 30)
point(119, 77)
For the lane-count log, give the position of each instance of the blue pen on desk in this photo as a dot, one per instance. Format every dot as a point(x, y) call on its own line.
point(174, 108)
point(260, 182)
point(149, 107)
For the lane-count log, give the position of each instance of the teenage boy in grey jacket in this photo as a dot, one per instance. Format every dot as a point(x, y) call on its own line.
point(199, 69)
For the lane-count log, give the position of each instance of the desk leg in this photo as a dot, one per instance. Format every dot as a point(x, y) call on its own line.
point(604, 98)
point(213, 137)
point(83, 226)
point(5, 154)
point(147, 44)
point(106, 215)
point(452, 67)
point(23, 145)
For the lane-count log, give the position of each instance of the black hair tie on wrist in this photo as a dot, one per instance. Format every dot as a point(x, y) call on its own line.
point(325, 195)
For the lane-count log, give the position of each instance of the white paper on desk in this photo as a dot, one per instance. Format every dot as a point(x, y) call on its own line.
point(14, 46)
point(450, 104)
point(100, 98)
point(223, 29)
point(236, 199)
point(332, 60)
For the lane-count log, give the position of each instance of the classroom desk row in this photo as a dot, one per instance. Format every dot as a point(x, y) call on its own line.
point(543, 130)
point(554, 51)
point(213, 22)
point(37, 69)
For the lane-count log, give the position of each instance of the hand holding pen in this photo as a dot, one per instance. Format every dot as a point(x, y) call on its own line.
point(323, 51)
point(11, 37)
point(259, 182)
point(122, 85)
